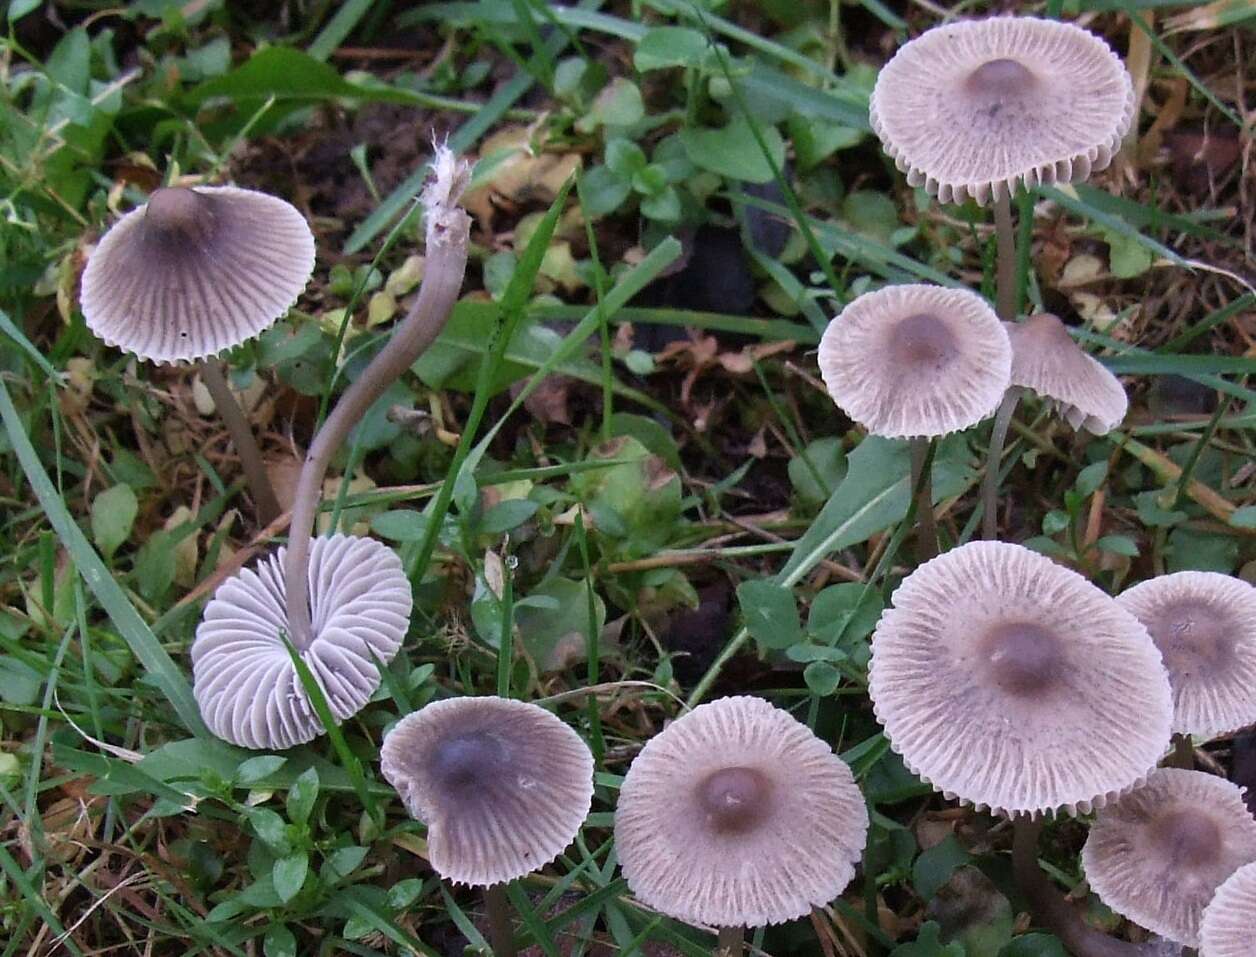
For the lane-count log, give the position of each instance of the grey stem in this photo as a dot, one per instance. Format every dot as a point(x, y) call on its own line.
point(241, 433)
point(994, 458)
point(729, 941)
point(922, 479)
point(1183, 755)
point(501, 933)
point(1048, 906)
point(1005, 274)
point(448, 238)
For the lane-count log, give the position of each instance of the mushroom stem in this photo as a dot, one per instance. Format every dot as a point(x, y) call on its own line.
point(922, 484)
point(729, 941)
point(1183, 755)
point(241, 433)
point(1048, 906)
point(1005, 274)
point(448, 238)
point(994, 456)
point(501, 933)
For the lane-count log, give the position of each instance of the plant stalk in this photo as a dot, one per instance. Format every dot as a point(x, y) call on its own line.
point(241, 433)
point(922, 482)
point(994, 458)
point(1183, 755)
point(448, 239)
point(729, 942)
point(501, 932)
point(1005, 271)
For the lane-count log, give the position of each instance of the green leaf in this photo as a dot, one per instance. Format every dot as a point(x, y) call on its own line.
point(404, 893)
point(934, 867)
point(733, 152)
point(1091, 478)
point(663, 206)
point(400, 525)
point(1126, 257)
point(822, 461)
point(556, 633)
point(771, 613)
point(1118, 545)
point(849, 610)
point(302, 795)
point(279, 942)
point(817, 140)
point(603, 191)
point(1034, 945)
point(506, 515)
point(664, 47)
point(255, 769)
point(345, 860)
point(871, 214)
point(1244, 517)
point(1196, 550)
point(927, 944)
point(113, 515)
point(289, 873)
point(619, 104)
point(270, 829)
point(821, 678)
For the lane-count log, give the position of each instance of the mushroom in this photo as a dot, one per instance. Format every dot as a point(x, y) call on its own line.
point(502, 785)
point(737, 815)
point(916, 362)
point(1228, 921)
point(1204, 624)
point(194, 272)
point(1158, 855)
point(244, 681)
point(976, 108)
point(1047, 361)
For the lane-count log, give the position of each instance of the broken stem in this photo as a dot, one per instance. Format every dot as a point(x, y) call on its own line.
point(241, 433)
point(500, 931)
point(1005, 272)
point(922, 482)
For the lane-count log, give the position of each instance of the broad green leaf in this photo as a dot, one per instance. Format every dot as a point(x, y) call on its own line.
point(732, 150)
point(1034, 945)
point(255, 769)
point(664, 47)
point(934, 867)
point(557, 636)
point(289, 875)
point(270, 829)
point(927, 944)
point(849, 610)
point(770, 612)
point(818, 469)
point(302, 795)
point(821, 678)
point(113, 514)
point(279, 942)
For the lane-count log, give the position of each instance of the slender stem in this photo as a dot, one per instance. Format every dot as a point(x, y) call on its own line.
point(501, 933)
point(1183, 755)
point(994, 457)
point(241, 433)
point(729, 942)
point(1005, 274)
point(922, 482)
point(1048, 906)
point(448, 238)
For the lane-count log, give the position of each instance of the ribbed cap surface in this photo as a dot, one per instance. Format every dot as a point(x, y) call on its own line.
point(1230, 920)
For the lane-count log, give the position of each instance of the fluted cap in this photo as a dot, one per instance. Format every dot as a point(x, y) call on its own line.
point(1047, 360)
point(1012, 683)
point(1204, 624)
point(1158, 854)
point(916, 360)
point(502, 785)
point(975, 107)
point(737, 815)
point(243, 678)
point(196, 271)
point(1231, 917)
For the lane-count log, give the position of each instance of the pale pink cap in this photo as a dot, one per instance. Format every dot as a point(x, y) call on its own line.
point(916, 360)
point(1012, 683)
point(975, 107)
point(737, 815)
point(1204, 624)
point(502, 785)
point(244, 681)
point(1158, 855)
point(1230, 920)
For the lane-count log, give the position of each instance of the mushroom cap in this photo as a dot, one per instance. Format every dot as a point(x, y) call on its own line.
point(195, 271)
point(243, 678)
point(1047, 360)
point(737, 815)
point(916, 360)
point(1010, 682)
point(502, 785)
point(1228, 921)
point(1158, 854)
point(975, 107)
point(1204, 624)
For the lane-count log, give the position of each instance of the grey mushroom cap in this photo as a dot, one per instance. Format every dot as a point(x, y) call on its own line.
point(502, 785)
point(196, 271)
point(1204, 624)
point(738, 815)
point(1230, 919)
point(974, 108)
point(244, 681)
point(916, 360)
point(1158, 854)
point(1046, 360)
point(1012, 683)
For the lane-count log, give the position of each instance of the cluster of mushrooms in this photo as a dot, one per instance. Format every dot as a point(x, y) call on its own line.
point(1003, 679)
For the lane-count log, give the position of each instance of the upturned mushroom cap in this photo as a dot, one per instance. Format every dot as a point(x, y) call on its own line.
point(1010, 682)
point(196, 271)
point(1047, 360)
point(1204, 624)
point(1231, 917)
point(973, 108)
point(502, 785)
point(1158, 854)
point(737, 815)
point(916, 360)
point(243, 678)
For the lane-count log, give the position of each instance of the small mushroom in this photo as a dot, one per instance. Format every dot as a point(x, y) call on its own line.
point(244, 680)
point(1204, 624)
point(737, 815)
point(1230, 919)
point(917, 362)
point(194, 272)
point(1159, 853)
point(502, 785)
